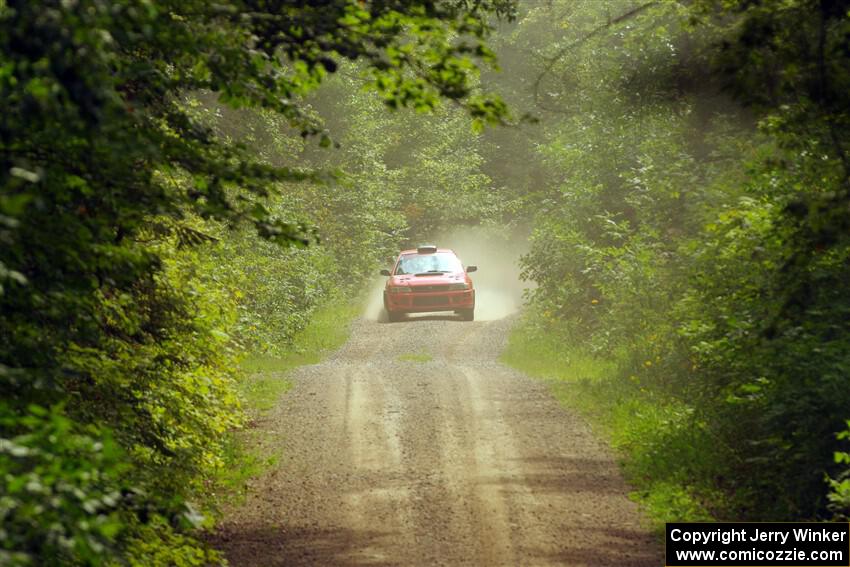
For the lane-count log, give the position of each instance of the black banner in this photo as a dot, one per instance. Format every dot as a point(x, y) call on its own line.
point(801, 544)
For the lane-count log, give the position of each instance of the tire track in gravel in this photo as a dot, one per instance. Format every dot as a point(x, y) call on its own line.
point(455, 461)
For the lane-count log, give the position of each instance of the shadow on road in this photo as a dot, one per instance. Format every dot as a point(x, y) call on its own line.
point(265, 546)
point(623, 548)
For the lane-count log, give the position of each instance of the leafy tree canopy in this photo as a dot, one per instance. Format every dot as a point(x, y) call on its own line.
point(103, 166)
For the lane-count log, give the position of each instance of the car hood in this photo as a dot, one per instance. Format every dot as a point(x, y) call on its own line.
point(437, 279)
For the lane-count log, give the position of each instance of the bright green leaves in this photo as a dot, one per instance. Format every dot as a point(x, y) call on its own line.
point(839, 496)
point(486, 111)
point(61, 489)
point(709, 255)
point(422, 57)
point(784, 257)
point(399, 91)
point(113, 174)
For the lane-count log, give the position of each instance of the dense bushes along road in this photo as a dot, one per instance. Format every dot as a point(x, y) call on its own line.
point(691, 247)
point(139, 219)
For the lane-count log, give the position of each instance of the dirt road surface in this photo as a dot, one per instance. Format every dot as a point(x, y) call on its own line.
point(456, 460)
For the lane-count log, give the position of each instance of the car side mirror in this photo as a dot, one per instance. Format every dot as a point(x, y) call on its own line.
point(470, 269)
point(385, 272)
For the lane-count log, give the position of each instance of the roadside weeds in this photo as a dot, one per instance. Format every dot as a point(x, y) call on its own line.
point(659, 451)
point(265, 381)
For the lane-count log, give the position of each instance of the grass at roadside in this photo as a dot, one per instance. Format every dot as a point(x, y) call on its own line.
point(662, 452)
point(265, 378)
point(265, 381)
point(421, 357)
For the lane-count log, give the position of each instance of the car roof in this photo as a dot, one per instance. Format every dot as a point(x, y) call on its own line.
point(415, 251)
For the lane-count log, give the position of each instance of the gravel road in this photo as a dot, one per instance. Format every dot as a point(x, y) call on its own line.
point(455, 460)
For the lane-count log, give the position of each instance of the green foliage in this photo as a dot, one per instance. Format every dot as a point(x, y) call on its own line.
point(403, 176)
point(692, 252)
point(62, 492)
point(156, 544)
point(130, 273)
point(656, 435)
point(775, 353)
point(276, 289)
point(265, 381)
point(420, 357)
point(839, 496)
point(327, 330)
point(775, 369)
point(703, 246)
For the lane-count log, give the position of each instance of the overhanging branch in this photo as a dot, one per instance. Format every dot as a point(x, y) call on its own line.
point(566, 49)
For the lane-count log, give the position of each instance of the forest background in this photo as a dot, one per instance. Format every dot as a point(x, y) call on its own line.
point(183, 183)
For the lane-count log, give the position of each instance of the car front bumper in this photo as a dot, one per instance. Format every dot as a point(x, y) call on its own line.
point(419, 302)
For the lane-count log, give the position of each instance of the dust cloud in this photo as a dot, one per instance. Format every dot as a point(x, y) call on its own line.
point(498, 287)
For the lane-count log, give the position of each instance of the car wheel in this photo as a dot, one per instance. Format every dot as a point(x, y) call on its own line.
point(394, 317)
point(467, 314)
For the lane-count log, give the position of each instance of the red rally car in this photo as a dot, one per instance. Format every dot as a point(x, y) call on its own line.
point(429, 279)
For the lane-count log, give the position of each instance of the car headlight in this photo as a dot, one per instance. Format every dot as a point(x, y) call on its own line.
point(458, 287)
point(400, 289)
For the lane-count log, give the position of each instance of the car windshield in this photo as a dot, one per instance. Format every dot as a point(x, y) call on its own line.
point(428, 263)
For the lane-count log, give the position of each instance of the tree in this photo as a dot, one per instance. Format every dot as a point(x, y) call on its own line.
point(101, 161)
